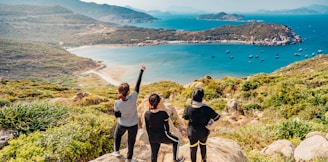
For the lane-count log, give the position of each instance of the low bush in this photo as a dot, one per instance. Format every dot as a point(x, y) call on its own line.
point(86, 137)
point(27, 118)
point(292, 129)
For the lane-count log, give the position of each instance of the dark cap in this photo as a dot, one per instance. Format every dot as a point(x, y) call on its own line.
point(197, 94)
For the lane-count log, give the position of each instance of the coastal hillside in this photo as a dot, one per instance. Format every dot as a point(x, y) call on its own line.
point(77, 122)
point(36, 61)
point(101, 12)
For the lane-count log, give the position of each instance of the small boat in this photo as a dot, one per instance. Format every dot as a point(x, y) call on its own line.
point(306, 56)
point(320, 51)
point(262, 60)
point(250, 56)
point(227, 51)
point(231, 57)
point(300, 50)
point(256, 56)
point(297, 54)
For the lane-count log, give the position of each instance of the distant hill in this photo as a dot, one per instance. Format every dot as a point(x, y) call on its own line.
point(221, 16)
point(313, 9)
point(60, 26)
point(104, 12)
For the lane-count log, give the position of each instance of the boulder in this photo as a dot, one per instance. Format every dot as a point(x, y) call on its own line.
point(311, 148)
point(280, 147)
point(218, 149)
point(5, 135)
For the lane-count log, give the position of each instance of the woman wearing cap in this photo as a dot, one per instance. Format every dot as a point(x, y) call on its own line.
point(125, 109)
point(199, 116)
point(157, 126)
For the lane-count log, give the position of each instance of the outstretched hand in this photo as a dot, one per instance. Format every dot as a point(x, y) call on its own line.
point(143, 67)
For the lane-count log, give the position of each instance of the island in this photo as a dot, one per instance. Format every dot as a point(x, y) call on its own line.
point(221, 16)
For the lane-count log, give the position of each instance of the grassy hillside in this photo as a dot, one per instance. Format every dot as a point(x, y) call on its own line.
point(37, 61)
point(269, 103)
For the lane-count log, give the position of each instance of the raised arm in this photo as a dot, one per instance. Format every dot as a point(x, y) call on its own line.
point(137, 87)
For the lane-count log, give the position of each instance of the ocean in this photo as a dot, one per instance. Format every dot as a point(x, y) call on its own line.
point(184, 63)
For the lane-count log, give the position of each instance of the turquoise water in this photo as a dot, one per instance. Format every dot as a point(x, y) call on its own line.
point(184, 63)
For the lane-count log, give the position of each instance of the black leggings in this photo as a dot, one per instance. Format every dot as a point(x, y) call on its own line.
point(168, 138)
point(194, 143)
point(132, 133)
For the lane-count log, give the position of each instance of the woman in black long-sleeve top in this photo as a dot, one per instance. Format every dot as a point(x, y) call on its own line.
point(199, 115)
point(158, 129)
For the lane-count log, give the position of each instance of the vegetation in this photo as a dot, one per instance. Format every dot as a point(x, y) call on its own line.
point(37, 61)
point(38, 81)
point(83, 130)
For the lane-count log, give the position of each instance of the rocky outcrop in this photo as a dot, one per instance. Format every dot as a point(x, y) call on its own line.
point(218, 149)
point(312, 148)
point(280, 147)
point(4, 137)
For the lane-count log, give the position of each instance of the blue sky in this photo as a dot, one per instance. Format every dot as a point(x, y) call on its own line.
point(211, 5)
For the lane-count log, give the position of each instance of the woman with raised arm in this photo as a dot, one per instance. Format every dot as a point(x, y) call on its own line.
point(125, 109)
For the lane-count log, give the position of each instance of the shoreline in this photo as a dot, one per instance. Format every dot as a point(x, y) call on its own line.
point(107, 73)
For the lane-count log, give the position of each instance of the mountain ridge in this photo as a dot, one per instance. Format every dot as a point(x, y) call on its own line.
point(104, 12)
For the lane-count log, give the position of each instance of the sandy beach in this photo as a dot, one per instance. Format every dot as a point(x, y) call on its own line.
point(111, 75)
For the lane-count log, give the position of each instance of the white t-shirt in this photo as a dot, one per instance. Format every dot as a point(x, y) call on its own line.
point(128, 109)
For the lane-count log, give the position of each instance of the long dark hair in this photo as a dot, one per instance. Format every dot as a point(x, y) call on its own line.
point(123, 89)
point(154, 99)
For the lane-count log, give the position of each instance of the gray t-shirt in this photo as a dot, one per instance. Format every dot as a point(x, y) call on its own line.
point(128, 109)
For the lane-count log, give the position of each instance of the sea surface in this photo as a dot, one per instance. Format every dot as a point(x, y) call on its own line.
point(184, 63)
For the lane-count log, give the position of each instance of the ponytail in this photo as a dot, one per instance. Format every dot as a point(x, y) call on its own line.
point(123, 89)
point(154, 99)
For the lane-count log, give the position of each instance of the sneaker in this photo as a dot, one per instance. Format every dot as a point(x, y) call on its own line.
point(116, 154)
point(181, 159)
point(131, 160)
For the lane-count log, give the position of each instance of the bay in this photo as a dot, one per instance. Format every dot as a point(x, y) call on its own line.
point(183, 63)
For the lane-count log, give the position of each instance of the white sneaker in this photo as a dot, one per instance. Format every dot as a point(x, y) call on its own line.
point(116, 154)
point(181, 159)
point(131, 160)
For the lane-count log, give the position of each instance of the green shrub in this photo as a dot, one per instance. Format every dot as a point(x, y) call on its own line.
point(88, 136)
point(4, 102)
point(27, 118)
point(252, 137)
point(250, 85)
point(291, 129)
point(24, 148)
point(250, 108)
